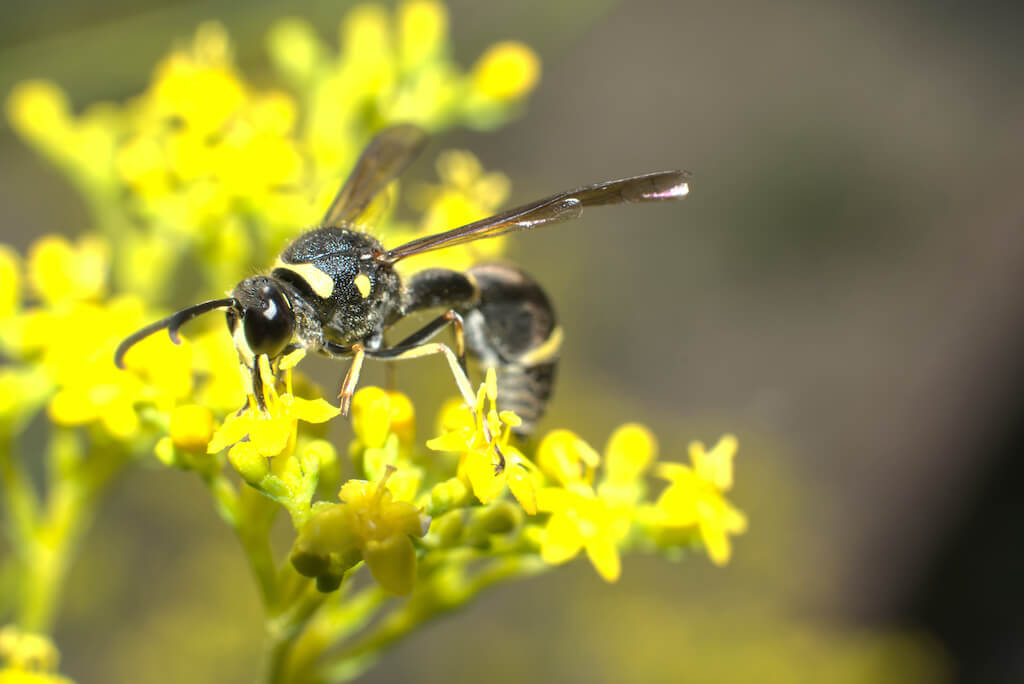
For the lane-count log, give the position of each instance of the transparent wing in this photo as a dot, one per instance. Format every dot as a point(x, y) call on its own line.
point(384, 158)
point(651, 187)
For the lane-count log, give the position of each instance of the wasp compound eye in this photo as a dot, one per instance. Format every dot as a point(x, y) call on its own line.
point(269, 329)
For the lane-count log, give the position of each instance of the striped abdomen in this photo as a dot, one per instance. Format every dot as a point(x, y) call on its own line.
point(511, 327)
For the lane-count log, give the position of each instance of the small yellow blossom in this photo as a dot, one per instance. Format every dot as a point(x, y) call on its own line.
point(480, 440)
point(422, 30)
point(629, 454)
point(371, 416)
point(27, 658)
point(694, 497)
point(580, 520)
point(465, 194)
point(39, 110)
point(90, 388)
point(506, 71)
point(58, 270)
point(566, 458)
point(271, 433)
point(367, 525)
point(191, 427)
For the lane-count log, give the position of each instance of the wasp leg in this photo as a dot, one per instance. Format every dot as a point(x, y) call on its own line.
point(257, 386)
point(389, 376)
point(415, 351)
point(424, 334)
point(348, 385)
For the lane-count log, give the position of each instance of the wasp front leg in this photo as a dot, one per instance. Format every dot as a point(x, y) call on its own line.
point(348, 385)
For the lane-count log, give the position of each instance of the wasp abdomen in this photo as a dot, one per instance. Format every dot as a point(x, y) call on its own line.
point(511, 327)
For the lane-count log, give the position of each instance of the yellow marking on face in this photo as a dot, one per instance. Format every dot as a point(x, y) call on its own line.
point(362, 283)
point(321, 283)
point(242, 345)
point(544, 352)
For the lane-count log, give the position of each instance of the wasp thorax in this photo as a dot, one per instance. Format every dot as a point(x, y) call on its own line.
point(267, 319)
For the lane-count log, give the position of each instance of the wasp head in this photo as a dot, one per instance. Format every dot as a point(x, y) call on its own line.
point(265, 314)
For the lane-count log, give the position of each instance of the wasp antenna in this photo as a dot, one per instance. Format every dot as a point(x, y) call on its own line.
point(171, 323)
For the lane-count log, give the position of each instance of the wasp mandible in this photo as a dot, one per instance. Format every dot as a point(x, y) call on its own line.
point(335, 289)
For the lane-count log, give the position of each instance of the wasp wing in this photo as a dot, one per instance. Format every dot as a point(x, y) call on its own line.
point(564, 206)
point(387, 155)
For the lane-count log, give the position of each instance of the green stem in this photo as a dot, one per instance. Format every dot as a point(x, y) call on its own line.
point(255, 514)
point(76, 482)
point(350, 662)
point(285, 628)
point(20, 503)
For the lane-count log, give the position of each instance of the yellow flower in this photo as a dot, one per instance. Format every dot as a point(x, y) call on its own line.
point(27, 658)
point(74, 344)
point(480, 463)
point(422, 30)
point(367, 525)
point(506, 71)
point(694, 498)
point(580, 520)
point(465, 194)
point(271, 433)
point(566, 458)
point(199, 88)
point(630, 452)
point(58, 270)
point(377, 413)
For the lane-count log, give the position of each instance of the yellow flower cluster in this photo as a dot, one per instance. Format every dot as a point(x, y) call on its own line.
point(205, 174)
point(204, 168)
point(572, 498)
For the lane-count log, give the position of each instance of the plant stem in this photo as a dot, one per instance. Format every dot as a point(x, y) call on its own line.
point(285, 628)
point(353, 661)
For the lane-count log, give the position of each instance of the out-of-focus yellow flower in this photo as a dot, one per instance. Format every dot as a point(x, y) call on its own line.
point(629, 454)
point(75, 346)
point(566, 458)
point(58, 270)
point(39, 110)
point(422, 31)
point(377, 413)
point(191, 427)
point(506, 71)
point(367, 525)
point(694, 497)
point(580, 520)
point(479, 441)
point(465, 194)
point(198, 88)
point(27, 658)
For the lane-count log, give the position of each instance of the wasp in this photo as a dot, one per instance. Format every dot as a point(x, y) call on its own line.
point(335, 290)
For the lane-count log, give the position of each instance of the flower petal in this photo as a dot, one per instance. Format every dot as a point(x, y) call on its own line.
point(523, 488)
point(312, 410)
point(392, 563)
point(487, 486)
point(605, 557)
point(562, 540)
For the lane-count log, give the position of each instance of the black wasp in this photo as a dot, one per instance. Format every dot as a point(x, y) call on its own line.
point(335, 290)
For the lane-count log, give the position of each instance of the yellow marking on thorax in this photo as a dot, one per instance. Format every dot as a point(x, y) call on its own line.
point(362, 283)
point(545, 352)
point(321, 283)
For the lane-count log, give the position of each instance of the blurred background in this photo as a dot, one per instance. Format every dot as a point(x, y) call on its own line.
point(841, 290)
